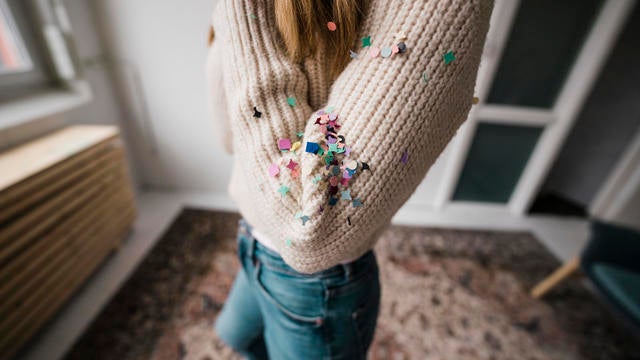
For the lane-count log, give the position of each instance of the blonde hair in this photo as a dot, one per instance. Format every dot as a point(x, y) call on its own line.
point(303, 25)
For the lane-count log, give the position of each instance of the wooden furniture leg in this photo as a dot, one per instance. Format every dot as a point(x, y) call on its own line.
point(556, 277)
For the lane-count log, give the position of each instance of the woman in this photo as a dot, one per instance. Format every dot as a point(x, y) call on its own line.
point(334, 110)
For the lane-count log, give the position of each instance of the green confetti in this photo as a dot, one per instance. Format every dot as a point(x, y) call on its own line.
point(366, 41)
point(288, 242)
point(284, 189)
point(449, 57)
point(317, 179)
point(299, 134)
point(291, 101)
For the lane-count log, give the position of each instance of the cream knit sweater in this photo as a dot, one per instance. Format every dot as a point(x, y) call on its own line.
point(397, 113)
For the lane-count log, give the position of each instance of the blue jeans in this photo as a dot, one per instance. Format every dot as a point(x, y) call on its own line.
point(275, 312)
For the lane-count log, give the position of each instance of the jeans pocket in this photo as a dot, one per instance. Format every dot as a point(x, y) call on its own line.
point(300, 300)
point(364, 317)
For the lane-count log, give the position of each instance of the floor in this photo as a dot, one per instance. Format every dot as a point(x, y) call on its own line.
point(156, 211)
point(445, 294)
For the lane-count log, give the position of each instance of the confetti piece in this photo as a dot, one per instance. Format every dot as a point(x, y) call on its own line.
point(332, 26)
point(291, 101)
point(365, 166)
point(402, 47)
point(345, 195)
point(295, 146)
point(292, 164)
point(317, 179)
point(356, 202)
point(284, 144)
point(256, 113)
point(300, 134)
point(395, 49)
point(424, 77)
point(304, 219)
point(449, 57)
point(374, 51)
point(320, 209)
point(312, 147)
point(366, 41)
point(284, 189)
point(475, 100)
point(288, 242)
point(295, 173)
point(405, 157)
point(333, 201)
point(298, 215)
point(274, 170)
point(353, 54)
point(385, 52)
point(349, 220)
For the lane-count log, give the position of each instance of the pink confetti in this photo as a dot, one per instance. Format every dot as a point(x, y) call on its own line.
point(274, 170)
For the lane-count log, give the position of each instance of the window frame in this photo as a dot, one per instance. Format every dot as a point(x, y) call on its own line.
point(71, 88)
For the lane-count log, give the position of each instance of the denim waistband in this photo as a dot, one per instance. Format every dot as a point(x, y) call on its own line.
point(273, 260)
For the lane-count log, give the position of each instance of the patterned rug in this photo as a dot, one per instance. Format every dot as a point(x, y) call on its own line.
point(446, 294)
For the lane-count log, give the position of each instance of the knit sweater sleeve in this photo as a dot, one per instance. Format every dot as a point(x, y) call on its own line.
point(396, 114)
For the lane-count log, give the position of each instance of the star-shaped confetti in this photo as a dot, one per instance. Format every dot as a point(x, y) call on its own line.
point(292, 164)
point(365, 166)
point(283, 190)
point(366, 41)
point(300, 133)
point(353, 54)
point(304, 219)
point(345, 194)
point(291, 101)
point(317, 179)
point(256, 113)
point(449, 57)
point(356, 202)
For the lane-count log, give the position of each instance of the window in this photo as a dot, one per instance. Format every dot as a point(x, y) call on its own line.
point(38, 66)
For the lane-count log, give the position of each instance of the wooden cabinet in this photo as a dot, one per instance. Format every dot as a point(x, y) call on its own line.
point(66, 201)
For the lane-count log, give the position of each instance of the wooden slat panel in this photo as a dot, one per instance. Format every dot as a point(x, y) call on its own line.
point(37, 188)
point(65, 202)
point(85, 265)
point(20, 232)
point(27, 160)
point(19, 285)
point(51, 242)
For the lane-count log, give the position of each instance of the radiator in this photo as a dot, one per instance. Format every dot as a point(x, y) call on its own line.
point(66, 202)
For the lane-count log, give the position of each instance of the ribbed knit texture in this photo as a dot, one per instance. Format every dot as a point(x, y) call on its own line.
point(385, 108)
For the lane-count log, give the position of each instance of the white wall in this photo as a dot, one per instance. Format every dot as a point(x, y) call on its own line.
point(163, 45)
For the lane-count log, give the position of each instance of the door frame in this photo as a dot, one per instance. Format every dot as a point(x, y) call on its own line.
point(557, 121)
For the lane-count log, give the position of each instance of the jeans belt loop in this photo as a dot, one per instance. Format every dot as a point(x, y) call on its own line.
point(252, 249)
point(347, 270)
